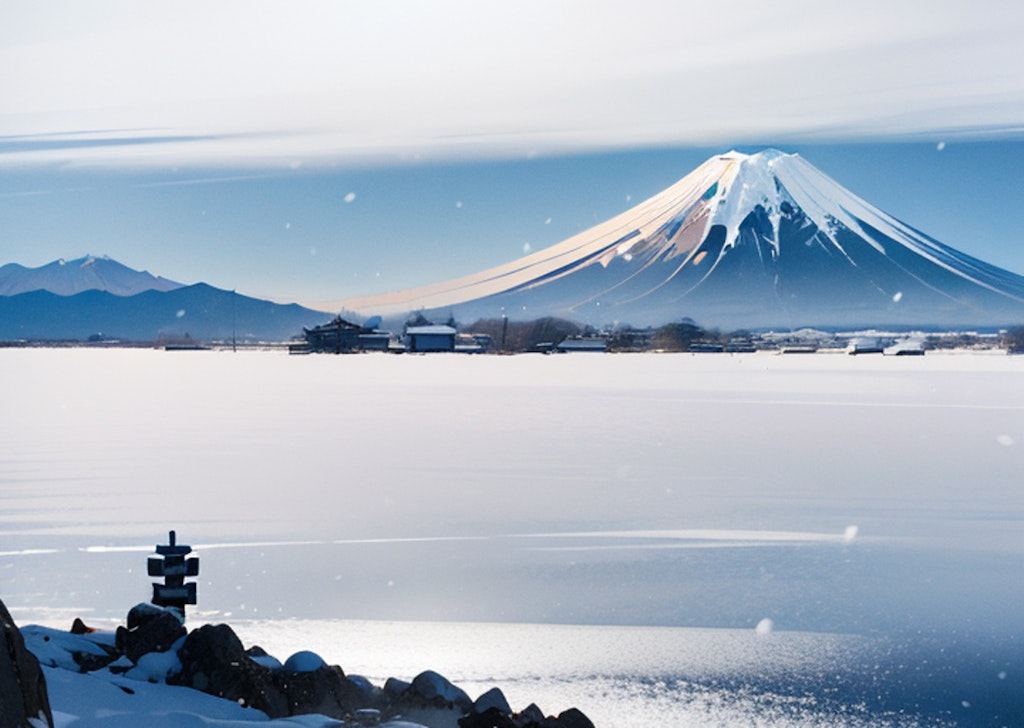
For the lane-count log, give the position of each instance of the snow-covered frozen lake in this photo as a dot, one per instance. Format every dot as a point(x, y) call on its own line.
point(611, 529)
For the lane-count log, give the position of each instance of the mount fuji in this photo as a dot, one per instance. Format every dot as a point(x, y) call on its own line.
point(743, 241)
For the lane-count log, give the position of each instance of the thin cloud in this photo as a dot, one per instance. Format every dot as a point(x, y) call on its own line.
point(323, 81)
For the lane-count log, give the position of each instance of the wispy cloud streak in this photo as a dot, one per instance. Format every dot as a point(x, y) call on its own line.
point(276, 83)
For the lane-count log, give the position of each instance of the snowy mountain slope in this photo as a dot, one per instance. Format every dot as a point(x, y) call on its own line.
point(742, 241)
point(68, 277)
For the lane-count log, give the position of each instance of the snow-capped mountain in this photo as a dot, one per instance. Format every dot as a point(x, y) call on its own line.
point(762, 240)
point(69, 277)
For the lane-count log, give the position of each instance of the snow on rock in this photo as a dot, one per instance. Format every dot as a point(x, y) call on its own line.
point(304, 661)
point(157, 666)
point(96, 700)
point(77, 653)
point(207, 678)
point(149, 629)
point(260, 657)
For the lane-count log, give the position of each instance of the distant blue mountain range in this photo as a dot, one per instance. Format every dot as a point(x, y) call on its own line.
point(102, 299)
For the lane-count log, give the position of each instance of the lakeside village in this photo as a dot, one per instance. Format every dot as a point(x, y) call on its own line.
point(559, 336)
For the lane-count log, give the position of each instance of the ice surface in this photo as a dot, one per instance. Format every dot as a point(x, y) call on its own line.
point(495, 471)
point(664, 490)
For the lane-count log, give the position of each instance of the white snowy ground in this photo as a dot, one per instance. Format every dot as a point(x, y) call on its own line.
point(141, 696)
point(827, 493)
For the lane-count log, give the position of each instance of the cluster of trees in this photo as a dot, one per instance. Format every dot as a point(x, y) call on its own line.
point(518, 336)
point(681, 335)
point(1014, 340)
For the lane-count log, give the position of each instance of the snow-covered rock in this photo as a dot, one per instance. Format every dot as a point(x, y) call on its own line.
point(208, 678)
point(149, 629)
point(304, 661)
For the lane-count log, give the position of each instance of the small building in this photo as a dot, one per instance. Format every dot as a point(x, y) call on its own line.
point(341, 337)
point(590, 343)
point(740, 345)
point(468, 344)
point(336, 336)
point(865, 345)
point(908, 347)
point(375, 341)
point(430, 338)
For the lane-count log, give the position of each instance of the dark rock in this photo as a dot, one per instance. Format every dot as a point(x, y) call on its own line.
point(260, 655)
point(493, 698)
point(150, 629)
point(89, 661)
point(142, 613)
point(213, 661)
point(436, 689)
point(257, 651)
point(530, 717)
point(533, 717)
point(325, 690)
point(370, 693)
point(395, 688)
point(490, 718)
point(23, 693)
point(571, 718)
point(367, 717)
point(80, 627)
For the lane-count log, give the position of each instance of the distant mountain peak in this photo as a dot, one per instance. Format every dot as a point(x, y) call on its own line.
point(88, 273)
point(745, 240)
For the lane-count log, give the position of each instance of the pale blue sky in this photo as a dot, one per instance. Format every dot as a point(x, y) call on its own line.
point(319, 150)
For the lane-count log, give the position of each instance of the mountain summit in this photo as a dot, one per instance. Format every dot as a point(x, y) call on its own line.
point(70, 277)
point(761, 240)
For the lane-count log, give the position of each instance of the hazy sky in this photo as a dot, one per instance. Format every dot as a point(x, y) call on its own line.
point(317, 150)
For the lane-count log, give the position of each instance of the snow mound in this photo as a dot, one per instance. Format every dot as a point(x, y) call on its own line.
point(304, 661)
